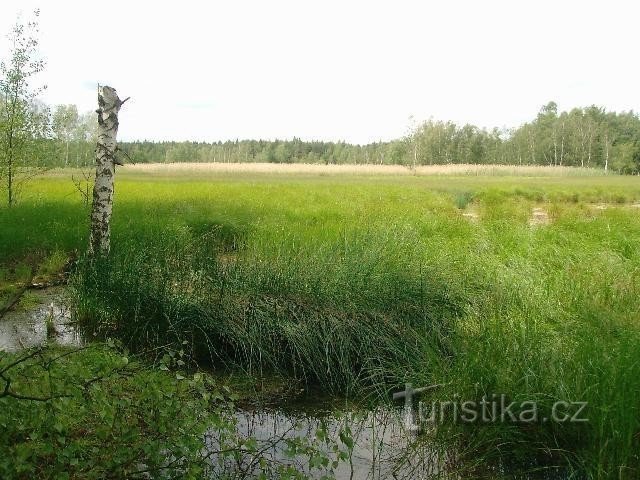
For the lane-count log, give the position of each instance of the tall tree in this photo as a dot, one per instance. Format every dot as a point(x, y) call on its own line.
point(65, 123)
point(108, 107)
point(86, 135)
point(23, 121)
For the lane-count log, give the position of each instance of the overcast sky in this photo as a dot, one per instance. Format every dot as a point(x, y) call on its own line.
point(333, 70)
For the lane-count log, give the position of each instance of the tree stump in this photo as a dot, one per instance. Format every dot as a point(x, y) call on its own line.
point(108, 107)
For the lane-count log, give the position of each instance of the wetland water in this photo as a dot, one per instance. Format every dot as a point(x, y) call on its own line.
point(382, 448)
point(45, 317)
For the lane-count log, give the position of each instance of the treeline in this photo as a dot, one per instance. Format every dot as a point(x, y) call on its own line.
point(276, 151)
point(582, 137)
point(33, 136)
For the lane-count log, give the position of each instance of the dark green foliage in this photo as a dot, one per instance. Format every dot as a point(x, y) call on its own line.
point(95, 413)
point(101, 416)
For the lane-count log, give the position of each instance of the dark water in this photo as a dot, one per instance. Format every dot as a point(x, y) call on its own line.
point(382, 447)
point(27, 327)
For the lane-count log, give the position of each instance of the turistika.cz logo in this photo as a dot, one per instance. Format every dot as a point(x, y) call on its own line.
point(489, 409)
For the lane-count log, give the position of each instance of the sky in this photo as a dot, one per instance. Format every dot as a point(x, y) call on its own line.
point(358, 71)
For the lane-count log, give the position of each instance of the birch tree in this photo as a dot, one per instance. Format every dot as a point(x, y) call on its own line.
point(108, 107)
point(65, 124)
point(24, 123)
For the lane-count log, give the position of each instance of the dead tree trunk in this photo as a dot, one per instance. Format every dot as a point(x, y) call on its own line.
point(108, 107)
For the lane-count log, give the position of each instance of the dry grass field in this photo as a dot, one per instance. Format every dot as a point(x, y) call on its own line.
point(369, 169)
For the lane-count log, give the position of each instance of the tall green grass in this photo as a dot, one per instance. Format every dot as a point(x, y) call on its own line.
point(359, 285)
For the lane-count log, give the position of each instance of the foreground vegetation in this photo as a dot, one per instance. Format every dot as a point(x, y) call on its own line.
point(96, 412)
point(359, 284)
point(93, 414)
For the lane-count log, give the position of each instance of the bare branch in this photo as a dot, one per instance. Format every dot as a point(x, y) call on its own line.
point(22, 359)
point(118, 149)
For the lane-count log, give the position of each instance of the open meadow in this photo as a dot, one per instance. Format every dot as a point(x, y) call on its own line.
point(319, 241)
point(357, 280)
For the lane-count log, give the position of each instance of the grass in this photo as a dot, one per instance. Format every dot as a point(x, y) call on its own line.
point(360, 283)
point(28, 301)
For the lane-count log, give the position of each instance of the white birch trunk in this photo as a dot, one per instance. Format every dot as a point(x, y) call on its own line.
point(108, 107)
point(562, 146)
point(415, 153)
point(606, 150)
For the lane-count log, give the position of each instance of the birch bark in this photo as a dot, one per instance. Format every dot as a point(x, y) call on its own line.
point(108, 107)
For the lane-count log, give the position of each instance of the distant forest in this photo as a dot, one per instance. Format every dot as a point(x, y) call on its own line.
point(582, 137)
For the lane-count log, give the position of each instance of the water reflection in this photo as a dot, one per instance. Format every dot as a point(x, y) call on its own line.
point(48, 318)
point(382, 447)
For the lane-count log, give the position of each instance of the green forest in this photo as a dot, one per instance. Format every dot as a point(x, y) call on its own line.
point(588, 137)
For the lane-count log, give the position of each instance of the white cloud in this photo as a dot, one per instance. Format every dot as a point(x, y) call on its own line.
point(334, 69)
